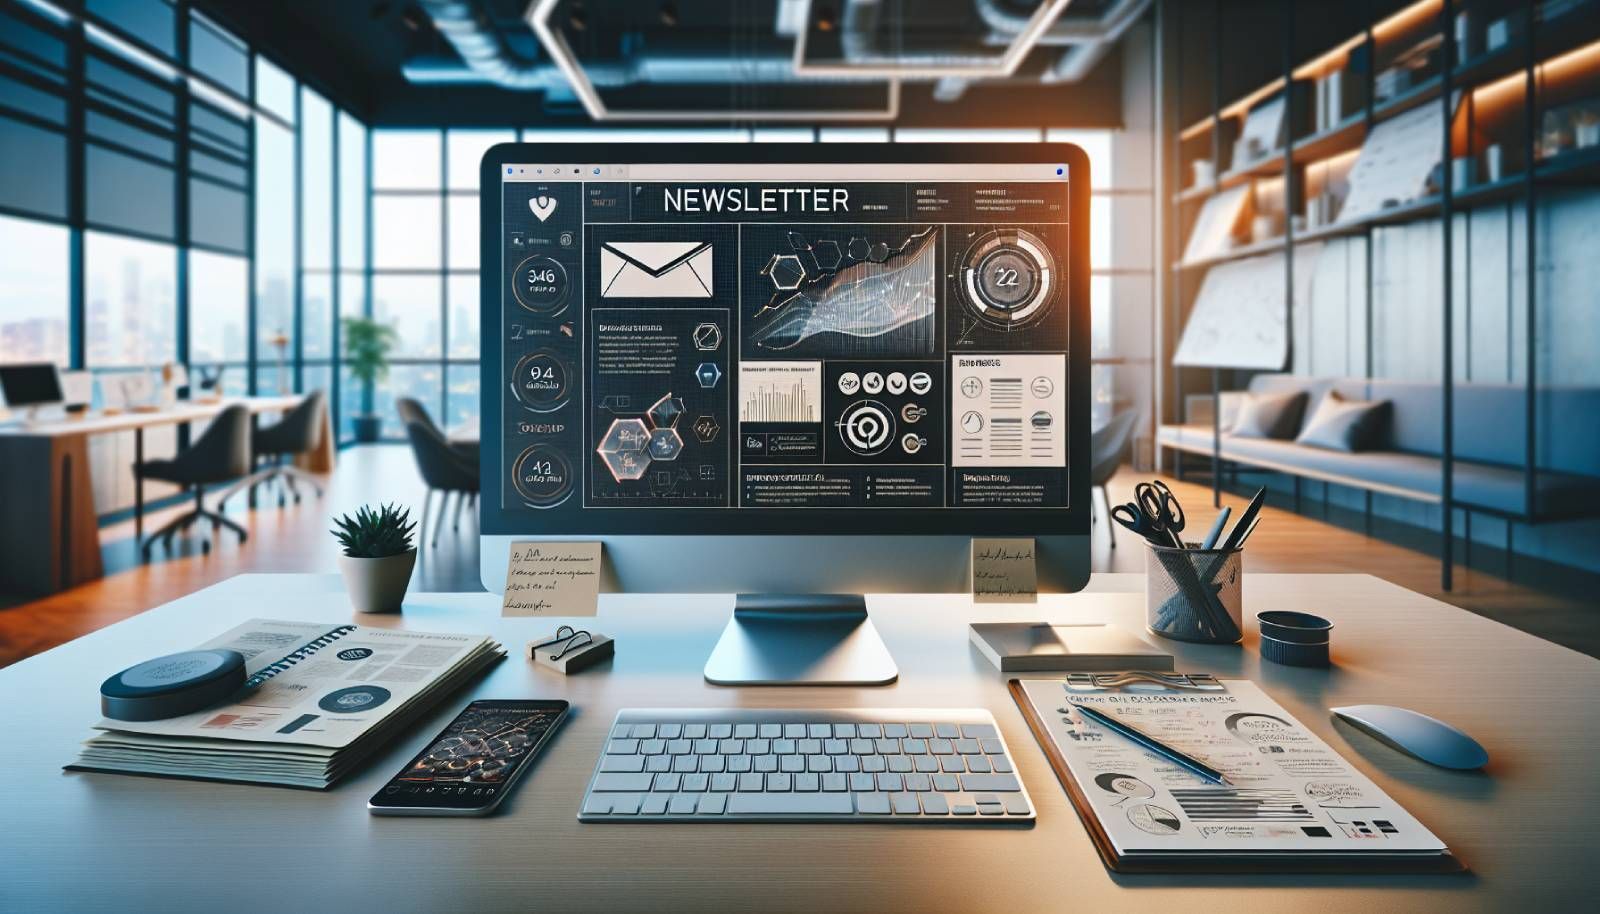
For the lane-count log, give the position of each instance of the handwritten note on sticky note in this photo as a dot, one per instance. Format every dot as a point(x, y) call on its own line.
point(552, 579)
point(1003, 571)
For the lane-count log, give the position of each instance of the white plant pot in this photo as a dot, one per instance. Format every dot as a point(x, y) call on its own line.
point(377, 585)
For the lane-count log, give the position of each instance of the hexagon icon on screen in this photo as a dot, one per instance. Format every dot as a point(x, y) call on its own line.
point(706, 428)
point(707, 337)
point(708, 374)
point(666, 412)
point(665, 444)
point(625, 449)
point(828, 255)
point(785, 271)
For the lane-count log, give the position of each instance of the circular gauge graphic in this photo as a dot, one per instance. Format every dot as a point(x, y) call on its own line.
point(541, 285)
point(1008, 278)
point(353, 699)
point(1125, 786)
point(866, 427)
point(542, 381)
point(1153, 820)
point(542, 476)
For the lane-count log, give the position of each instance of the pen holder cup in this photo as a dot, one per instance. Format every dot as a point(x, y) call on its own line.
point(1194, 594)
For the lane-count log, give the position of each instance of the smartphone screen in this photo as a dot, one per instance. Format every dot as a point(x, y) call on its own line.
point(471, 764)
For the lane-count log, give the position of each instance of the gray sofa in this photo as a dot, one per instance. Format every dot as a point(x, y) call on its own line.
point(1490, 445)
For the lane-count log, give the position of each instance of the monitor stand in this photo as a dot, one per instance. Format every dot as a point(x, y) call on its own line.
point(800, 639)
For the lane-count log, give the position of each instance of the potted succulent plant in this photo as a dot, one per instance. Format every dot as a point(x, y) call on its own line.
point(378, 556)
point(366, 353)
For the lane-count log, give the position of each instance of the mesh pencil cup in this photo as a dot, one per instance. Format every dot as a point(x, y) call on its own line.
point(1194, 594)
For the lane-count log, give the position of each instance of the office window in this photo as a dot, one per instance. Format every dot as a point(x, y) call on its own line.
point(128, 193)
point(461, 291)
point(274, 90)
point(352, 193)
point(33, 296)
point(316, 181)
point(130, 301)
point(218, 56)
point(422, 382)
point(461, 396)
point(410, 304)
point(33, 169)
point(219, 294)
point(316, 316)
point(462, 210)
point(464, 151)
point(275, 251)
point(406, 159)
point(407, 232)
point(152, 23)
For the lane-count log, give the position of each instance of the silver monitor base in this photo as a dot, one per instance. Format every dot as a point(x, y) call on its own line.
point(800, 639)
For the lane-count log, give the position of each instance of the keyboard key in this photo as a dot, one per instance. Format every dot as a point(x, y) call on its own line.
point(914, 746)
point(622, 763)
point(861, 746)
point(598, 804)
point(847, 764)
point(730, 746)
point(862, 782)
point(625, 783)
point(874, 763)
point(653, 746)
point(871, 804)
point(621, 731)
point(921, 731)
point(869, 731)
point(807, 782)
point(995, 782)
point(744, 731)
point(791, 763)
point(1000, 763)
point(725, 783)
point(783, 746)
point(967, 746)
point(679, 746)
point(905, 804)
point(819, 731)
point(669, 731)
point(991, 746)
point(890, 783)
point(900, 764)
point(894, 731)
point(757, 746)
point(712, 804)
point(623, 747)
point(1016, 804)
point(980, 731)
point(696, 783)
point(769, 731)
point(808, 746)
point(977, 764)
point(766, 763)
point(934, 804)
point(752, 781)
point(684, 764)
point(779, 783)
point(681, 804)
point(819, 763)
point(705, 746)
point(963, 809)
point(739, 763)
point(658, 763)
point(760, 804)
point(719, 731)
point(794, 731)
point(925, 763)
point(654, 805)
point(624, 804)
point(713, 763)
point(835, 782)
point(835, 746)
point(991, 809)
point(643, 731)
point(940, 746)
point(886, 746)
point(694, 731)
point(666, 783)
point(918, 782)
point(951, 763)
point(946, 783)
point(844, 731)
point(947, 731)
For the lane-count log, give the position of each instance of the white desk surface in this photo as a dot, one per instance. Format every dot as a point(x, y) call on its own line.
point(98, 423)
point(82, 842)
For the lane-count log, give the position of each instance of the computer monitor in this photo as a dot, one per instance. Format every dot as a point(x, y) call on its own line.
point(29, 385)
point(796, 372)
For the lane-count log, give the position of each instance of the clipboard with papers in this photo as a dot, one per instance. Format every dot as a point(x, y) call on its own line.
point(1293, 804)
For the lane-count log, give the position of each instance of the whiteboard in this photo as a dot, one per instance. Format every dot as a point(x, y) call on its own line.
point(1395, 162)
point(1240, 318)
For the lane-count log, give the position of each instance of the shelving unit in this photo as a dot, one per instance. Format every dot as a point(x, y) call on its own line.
point(1549, 57)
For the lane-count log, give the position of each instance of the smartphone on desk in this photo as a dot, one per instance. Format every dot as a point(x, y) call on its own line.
point(468, 769)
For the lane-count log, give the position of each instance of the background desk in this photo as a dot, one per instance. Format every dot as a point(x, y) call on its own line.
point(84, 842)
point(49, 525)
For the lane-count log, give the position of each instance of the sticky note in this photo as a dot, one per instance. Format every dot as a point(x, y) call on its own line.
point(1003, 571)
point(552, 579)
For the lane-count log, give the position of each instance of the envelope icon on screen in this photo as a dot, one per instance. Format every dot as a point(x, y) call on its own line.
point(655, 269)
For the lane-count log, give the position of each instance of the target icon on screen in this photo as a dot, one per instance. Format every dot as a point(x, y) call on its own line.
point(866, 427)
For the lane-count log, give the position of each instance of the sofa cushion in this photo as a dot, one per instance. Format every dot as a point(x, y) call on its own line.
point(1345, 425)
point(1264, 415)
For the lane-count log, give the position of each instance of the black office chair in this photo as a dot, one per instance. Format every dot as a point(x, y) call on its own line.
point(1108, 449)
point(298, 432)
point(221, 454)
point(444, 467)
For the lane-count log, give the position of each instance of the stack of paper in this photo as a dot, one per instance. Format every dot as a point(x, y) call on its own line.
point(320, 699)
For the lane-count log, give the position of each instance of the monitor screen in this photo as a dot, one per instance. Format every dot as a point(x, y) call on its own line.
point(776, 348)
point(33, 384)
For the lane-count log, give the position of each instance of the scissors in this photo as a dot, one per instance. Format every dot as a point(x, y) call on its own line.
point(1155, 514)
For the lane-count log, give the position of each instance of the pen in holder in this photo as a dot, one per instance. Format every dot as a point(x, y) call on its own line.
point(1194, 594)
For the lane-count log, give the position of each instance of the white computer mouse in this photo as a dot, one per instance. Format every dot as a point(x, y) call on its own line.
point(1433, 741)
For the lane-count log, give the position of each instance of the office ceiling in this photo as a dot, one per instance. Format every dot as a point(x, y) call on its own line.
point(968, 63)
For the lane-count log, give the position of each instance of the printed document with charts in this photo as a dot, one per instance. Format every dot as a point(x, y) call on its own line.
point(1293, 800)
point(319, 699)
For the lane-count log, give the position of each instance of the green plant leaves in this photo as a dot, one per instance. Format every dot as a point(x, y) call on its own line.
point(375, 534)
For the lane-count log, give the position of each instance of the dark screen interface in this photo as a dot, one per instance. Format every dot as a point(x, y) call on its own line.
point(731, 341)
point(481, 748)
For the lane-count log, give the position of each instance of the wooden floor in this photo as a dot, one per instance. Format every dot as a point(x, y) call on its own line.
point(295, 538)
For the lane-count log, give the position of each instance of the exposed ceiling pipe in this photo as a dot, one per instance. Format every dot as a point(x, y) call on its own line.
point(1077, 60)
point(657, 67)
point(472, 32)
point(1068, 29)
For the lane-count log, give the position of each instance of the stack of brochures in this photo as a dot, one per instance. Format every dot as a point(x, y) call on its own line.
point(319, 700)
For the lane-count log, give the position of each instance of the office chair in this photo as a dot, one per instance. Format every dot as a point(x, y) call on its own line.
point(221, 454)
point(1108, 449)
point(444, 467)
point(298, 432)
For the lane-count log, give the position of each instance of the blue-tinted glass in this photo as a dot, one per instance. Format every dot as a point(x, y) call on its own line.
point(126, 135)
point(274, 373)
point(218, 56)
point(406, 232)
point(316, 182)
point(150, 21)
point(219, 298)
point(219, 129)
point(411, 305)
point(352, 295)
point(274, 89)
point(127, 193)
point(29, 100)
point(406, 159)
point(223, 170)
point(130, 302)
point(352, 193)
point(275, 225)
point(19, 35)
point(217, 216)
point(316, 315)
point(351, 398)
point(462, 294)
point(464, 151)
point(423, 383)
point(116, 87)
point(462, 396)
point(33, 297)
point(316, 377)
point(33, 169)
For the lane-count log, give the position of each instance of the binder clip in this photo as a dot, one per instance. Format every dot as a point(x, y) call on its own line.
point(571, 650)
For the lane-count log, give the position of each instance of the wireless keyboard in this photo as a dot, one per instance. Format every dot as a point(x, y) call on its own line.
point(849, 765)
